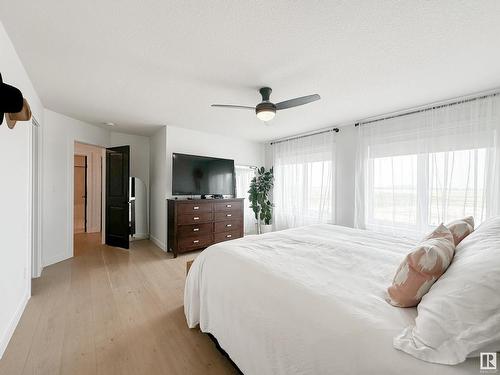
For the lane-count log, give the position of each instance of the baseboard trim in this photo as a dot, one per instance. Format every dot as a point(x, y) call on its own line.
point(157, 242)
point(56, 259)
point(141, 236)
point(13, 324)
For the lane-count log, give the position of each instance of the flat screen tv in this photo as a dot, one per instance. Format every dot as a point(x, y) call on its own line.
point(201, 175)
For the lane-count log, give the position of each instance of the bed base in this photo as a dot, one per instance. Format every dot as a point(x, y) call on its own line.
point(223, 352)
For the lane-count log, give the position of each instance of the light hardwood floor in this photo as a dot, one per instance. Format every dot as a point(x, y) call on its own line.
point(111, 311)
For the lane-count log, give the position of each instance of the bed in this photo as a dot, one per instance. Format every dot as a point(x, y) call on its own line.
point(308, 300)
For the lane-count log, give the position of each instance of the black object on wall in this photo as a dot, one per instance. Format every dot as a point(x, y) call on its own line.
point(117, 196)
point(11, 99)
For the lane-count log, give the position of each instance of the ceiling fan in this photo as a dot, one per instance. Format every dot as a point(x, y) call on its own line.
point(266, 110)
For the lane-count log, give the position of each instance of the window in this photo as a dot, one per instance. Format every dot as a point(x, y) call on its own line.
point(416, 171)
point(304, 171)
point(456, 185)
point(412, 191)
point(394, 189)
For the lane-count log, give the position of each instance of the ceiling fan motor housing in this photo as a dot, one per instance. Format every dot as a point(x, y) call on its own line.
point(265, 110)
point(265, 107)
point(266, 93)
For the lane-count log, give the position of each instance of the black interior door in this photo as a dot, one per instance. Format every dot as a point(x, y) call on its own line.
point(117, 196)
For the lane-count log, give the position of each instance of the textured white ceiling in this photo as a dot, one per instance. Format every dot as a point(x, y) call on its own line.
point(142, 64)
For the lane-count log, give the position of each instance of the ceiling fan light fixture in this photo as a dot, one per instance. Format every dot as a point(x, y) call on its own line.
point(265, 111)
point(266, 115)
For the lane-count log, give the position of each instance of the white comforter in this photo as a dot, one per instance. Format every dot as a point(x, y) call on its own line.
point(309, 300)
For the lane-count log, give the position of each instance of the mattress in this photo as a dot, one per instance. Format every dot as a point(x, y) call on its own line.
point(308, 300)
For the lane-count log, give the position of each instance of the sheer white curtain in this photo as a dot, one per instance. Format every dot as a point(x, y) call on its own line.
point(304, 171)
point(244, 176)
point(415, 171)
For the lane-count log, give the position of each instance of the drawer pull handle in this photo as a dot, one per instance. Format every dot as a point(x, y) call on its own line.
point(228, 206)
point(229, 225)
point(196, 241)
point(196, 208)
point(196, 229)
point(229, 236)
point(196, 218)
point(229, 215)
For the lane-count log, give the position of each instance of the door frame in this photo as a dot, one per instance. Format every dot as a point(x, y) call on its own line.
point(86, 191)
point(35, 198)
point(71, 195)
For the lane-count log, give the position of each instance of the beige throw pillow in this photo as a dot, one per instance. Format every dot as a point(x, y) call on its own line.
point(421, 268)
point(461, 228)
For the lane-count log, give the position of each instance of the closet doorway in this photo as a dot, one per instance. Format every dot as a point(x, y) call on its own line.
point(80, 196)
point(88, 188)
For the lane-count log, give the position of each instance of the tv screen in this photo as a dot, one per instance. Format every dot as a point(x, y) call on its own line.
point(201, 175)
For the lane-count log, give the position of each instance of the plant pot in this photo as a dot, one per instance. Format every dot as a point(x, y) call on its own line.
point(257, 228)
point(266, 228)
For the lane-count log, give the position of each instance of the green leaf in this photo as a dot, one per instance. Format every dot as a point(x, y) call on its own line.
point(258, 194)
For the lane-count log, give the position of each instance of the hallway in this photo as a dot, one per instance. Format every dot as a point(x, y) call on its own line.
point(110, 311)
point(83, 243)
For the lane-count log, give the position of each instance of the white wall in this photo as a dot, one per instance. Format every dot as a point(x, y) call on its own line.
point(15, 217)
point(158, 187)
point(59, 135)
point(345, 172)
point(141, 210)
point(139, 153)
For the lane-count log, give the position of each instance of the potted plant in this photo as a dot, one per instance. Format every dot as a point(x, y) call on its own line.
point(260, 187)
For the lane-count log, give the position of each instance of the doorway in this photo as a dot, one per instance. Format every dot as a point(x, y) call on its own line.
point(88, 189)
point(101, 198)
point(80, 196)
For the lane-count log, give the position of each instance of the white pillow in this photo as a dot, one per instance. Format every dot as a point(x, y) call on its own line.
point(460, 314)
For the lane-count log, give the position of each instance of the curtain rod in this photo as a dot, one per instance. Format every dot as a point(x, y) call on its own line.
point(336, 130)
point(245, 166)
point(404, 112)
point(429, 107)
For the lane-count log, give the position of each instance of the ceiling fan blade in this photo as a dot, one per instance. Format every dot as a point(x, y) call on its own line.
point(297, 101)
point(233, 106)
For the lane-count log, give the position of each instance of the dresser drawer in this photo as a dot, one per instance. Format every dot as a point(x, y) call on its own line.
point(193, 230)
point(193, 224)
point(192, 208)
point(226, 236)
point(195, 242)
point(228, 215)
point(201, 217)
point(225, 226)
point(229, 206)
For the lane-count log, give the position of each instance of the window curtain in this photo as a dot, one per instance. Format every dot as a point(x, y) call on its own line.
point(415, 171)
point(304, 171)
point(244, 176)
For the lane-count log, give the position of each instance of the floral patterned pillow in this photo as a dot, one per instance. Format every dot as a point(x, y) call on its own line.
point(421, 268)
point(461, 228)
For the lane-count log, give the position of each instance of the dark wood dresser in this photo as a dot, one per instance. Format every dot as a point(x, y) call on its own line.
point(198, 223)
